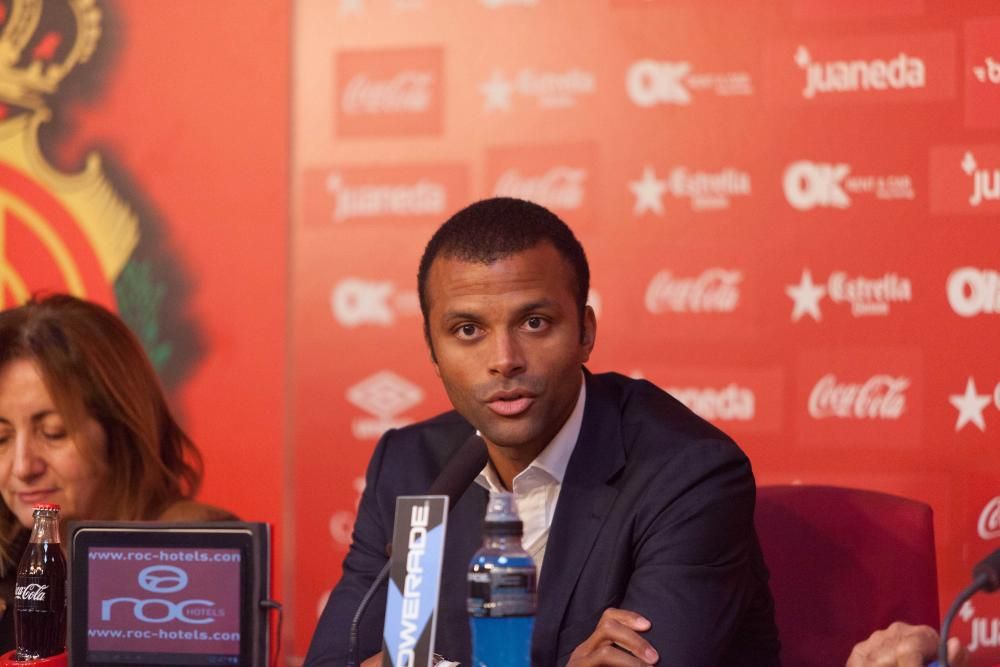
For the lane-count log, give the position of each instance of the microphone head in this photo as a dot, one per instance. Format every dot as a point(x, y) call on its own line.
point(461, 470)
point(988, 571)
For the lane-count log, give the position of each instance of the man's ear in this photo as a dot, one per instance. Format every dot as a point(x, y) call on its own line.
point(589, 334)
point(430, 348)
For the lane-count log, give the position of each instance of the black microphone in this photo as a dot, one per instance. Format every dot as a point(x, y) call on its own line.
point(985, 577)
point(457, 475)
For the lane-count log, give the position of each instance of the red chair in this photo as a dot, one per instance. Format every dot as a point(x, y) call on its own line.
point(844, 563)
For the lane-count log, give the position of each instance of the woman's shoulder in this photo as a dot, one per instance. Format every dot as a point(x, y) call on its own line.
point(190, 510)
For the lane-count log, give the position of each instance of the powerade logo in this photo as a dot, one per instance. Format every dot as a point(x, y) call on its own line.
point(162, 579)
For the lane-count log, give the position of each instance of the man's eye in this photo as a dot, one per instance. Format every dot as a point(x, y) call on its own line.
point(467, 331)
point(535, 323)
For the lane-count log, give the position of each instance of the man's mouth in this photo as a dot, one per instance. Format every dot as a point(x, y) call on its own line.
point(510, 404)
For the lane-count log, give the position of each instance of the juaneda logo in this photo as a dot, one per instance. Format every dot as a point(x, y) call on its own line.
point(810, 185)
point(729, 403)
point(384, 395)
point(356, 302)
point(411, 193)
point(973, 291)
point(704, 190)
point(549, 90)
point(392, 92)
point(965, 179)
point(560, 177)
point(984, 632)
point(982, 72)
point(879, 397)
point(839, 76)
point(989, 520)
point(866, 296)
point(654, 82)
point(904, 67)
point(970, 405)
point(716, 290)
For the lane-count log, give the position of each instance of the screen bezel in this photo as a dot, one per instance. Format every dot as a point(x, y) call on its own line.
point(221, 535)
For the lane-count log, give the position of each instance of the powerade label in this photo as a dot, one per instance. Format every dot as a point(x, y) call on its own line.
point(32, 593)
point(507, 591)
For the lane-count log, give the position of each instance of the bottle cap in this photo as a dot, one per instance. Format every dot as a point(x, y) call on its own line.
point(501, 515)
point(48, 507)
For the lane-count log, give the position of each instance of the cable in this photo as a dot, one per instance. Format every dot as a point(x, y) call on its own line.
point(272, 605)
point(980, 582)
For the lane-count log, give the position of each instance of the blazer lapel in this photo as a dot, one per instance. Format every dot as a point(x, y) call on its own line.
point(584, 501)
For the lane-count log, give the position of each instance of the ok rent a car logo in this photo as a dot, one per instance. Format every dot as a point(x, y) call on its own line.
point(162, 579)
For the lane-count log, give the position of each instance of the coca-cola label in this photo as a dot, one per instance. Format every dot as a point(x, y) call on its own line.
point(715, 290)
point(878, 397)
point(989, 520)
point(860, 397)
point(560, 177)
point(32, 593)
point(391, 92)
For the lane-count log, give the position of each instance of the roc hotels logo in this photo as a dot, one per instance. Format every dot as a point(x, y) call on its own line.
point(844, 76)
point(65, 232)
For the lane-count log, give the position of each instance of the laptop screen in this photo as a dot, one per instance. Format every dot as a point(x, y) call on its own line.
point(164, 595)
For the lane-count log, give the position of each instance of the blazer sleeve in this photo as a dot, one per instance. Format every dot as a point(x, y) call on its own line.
point(365, 558)
point(697, 572)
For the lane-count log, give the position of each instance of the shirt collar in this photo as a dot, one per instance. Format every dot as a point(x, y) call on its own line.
point(552, 460)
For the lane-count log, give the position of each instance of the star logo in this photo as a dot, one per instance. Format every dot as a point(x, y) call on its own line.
point(806, 296)
point(648, 192)
point(970, 407)
point(496, 92)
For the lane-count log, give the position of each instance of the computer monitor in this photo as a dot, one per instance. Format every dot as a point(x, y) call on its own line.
point(149, 594)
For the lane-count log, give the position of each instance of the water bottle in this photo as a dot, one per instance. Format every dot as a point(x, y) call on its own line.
point(502, 580)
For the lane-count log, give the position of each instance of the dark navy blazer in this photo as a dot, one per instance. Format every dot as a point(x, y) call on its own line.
point(655, 515)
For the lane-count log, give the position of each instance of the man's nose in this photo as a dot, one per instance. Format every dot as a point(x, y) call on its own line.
point(507, 357)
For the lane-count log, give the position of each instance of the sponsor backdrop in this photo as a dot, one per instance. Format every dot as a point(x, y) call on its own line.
point(791, 208)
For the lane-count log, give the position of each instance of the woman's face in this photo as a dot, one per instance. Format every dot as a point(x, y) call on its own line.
point(40, 461)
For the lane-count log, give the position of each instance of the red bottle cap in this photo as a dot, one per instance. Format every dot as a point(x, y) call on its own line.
point(47, 506)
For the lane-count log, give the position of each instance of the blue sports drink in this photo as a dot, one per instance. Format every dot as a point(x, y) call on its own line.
point(502, 579)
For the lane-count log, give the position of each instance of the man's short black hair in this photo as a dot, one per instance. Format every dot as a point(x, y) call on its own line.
point(493, 229)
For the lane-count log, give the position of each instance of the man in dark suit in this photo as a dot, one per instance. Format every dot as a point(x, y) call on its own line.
point(639, 513)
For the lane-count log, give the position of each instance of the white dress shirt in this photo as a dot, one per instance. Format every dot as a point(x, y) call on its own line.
point(536, 488)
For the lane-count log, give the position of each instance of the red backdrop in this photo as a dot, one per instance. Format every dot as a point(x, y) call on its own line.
point(790, 209)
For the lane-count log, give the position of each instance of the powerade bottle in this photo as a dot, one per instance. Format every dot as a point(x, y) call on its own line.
point(502, 580)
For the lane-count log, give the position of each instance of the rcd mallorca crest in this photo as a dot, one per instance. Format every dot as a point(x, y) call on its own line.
point(66, 232)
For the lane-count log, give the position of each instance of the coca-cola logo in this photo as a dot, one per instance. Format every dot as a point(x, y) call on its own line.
point(880, 397)
point(559, 188)
point(32, 592)
point(716, 290)
point(989, 520)
point(409, 91)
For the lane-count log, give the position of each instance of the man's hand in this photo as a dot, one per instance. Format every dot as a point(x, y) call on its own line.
point(902, 645)
point(613, 640)
point(373, 661)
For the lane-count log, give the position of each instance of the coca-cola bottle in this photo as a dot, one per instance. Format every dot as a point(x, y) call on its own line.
point(40, 590)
